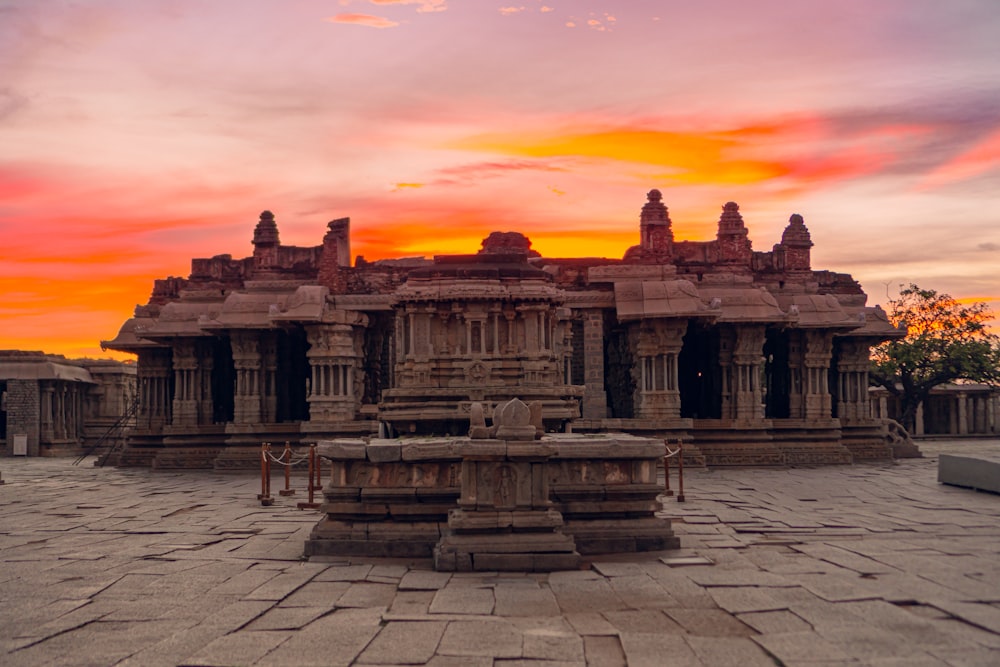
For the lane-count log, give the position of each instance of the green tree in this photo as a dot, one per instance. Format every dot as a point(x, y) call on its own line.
point(945, 341)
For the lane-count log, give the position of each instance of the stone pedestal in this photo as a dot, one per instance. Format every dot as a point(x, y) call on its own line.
point(505, 520)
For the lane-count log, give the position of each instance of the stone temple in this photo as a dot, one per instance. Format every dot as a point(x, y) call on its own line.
point(747, 357)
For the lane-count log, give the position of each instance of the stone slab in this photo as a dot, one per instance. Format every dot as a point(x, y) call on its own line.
point(980, 473)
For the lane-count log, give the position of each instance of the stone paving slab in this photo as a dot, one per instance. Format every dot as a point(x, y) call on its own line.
point(874, 564)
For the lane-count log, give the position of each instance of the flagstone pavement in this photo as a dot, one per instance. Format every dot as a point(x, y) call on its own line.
point(870, 564)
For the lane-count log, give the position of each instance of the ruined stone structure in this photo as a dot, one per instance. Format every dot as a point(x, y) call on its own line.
point(966, 409)
point(51, 405)
point(749, 357)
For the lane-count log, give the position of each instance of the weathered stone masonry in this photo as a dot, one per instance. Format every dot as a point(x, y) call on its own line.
point(749, 357)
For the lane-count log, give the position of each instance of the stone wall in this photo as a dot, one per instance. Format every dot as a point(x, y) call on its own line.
point(23, 413)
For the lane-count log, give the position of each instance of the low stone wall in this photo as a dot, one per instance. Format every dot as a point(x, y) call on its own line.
point(393, 497)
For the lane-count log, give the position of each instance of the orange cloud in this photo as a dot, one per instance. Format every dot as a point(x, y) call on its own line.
point(364, 19)
point(691, 156)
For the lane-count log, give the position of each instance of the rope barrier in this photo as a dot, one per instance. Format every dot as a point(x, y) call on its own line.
point(288, 461)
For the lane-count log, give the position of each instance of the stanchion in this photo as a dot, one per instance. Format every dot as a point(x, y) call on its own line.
point(265, 475)
point(286, 460)
point(680, 473)
point(667, 491)
point(314, 479)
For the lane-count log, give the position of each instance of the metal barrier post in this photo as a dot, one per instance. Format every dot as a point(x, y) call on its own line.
point(667, 491)
point(680, 473)
point(286, 460)
point(313, 486)
point(265, 475)
point(319, 470)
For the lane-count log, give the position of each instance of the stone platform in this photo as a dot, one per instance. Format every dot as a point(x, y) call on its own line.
point(402, 498)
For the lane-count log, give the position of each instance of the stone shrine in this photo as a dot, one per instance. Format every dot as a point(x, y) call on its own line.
point(748, 357)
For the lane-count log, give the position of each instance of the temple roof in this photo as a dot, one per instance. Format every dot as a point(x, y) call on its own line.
point(42, 367)
point(638, 299)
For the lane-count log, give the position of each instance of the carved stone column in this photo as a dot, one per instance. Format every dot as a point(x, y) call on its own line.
point(818, 352)
point(203, 396)
point(333, 357)
point(659, 343)
point(185, 366)
point(796, 379)
point(269, 373)
point(853, 405)
point(747, 368)
point(595, 399)
point(153, 371)
point(727, 383)
point(247, 361)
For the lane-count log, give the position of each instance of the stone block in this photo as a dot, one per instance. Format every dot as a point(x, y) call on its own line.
point(341, 449)
point(383, 452)
point(981, 473)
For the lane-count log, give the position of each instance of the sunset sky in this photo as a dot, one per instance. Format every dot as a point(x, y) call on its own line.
point(138, 134)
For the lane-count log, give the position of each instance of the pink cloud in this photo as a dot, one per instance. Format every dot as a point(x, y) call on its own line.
point(982, 157)
point(364, 19)
point(424, 5)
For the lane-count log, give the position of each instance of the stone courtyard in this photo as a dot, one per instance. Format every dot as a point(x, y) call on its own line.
point(869, 564)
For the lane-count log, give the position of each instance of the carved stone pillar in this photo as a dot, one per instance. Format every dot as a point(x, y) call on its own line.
point(595, 399)
point(269, 373)
point(727, 383)
point(154, 371)
point(247, 361)
point(531, 317)
point(185, 366)
point(203, 382)
point(816, 361)
point(333, 357)
point(747, 369)
point(796, 374)
point(659, 343)
point(853, 404)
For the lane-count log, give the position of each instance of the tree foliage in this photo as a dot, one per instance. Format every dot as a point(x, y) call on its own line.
point(945, 341)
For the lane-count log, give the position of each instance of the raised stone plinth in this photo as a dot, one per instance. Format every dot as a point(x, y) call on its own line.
point(981, 473)
point(564, 495)
point(386, 497)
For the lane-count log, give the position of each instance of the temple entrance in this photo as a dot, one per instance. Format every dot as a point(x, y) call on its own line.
point(700, 376)
point(290, 376)
point(223, 381)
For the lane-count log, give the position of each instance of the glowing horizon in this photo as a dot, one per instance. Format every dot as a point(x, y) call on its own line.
point(138, 136)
